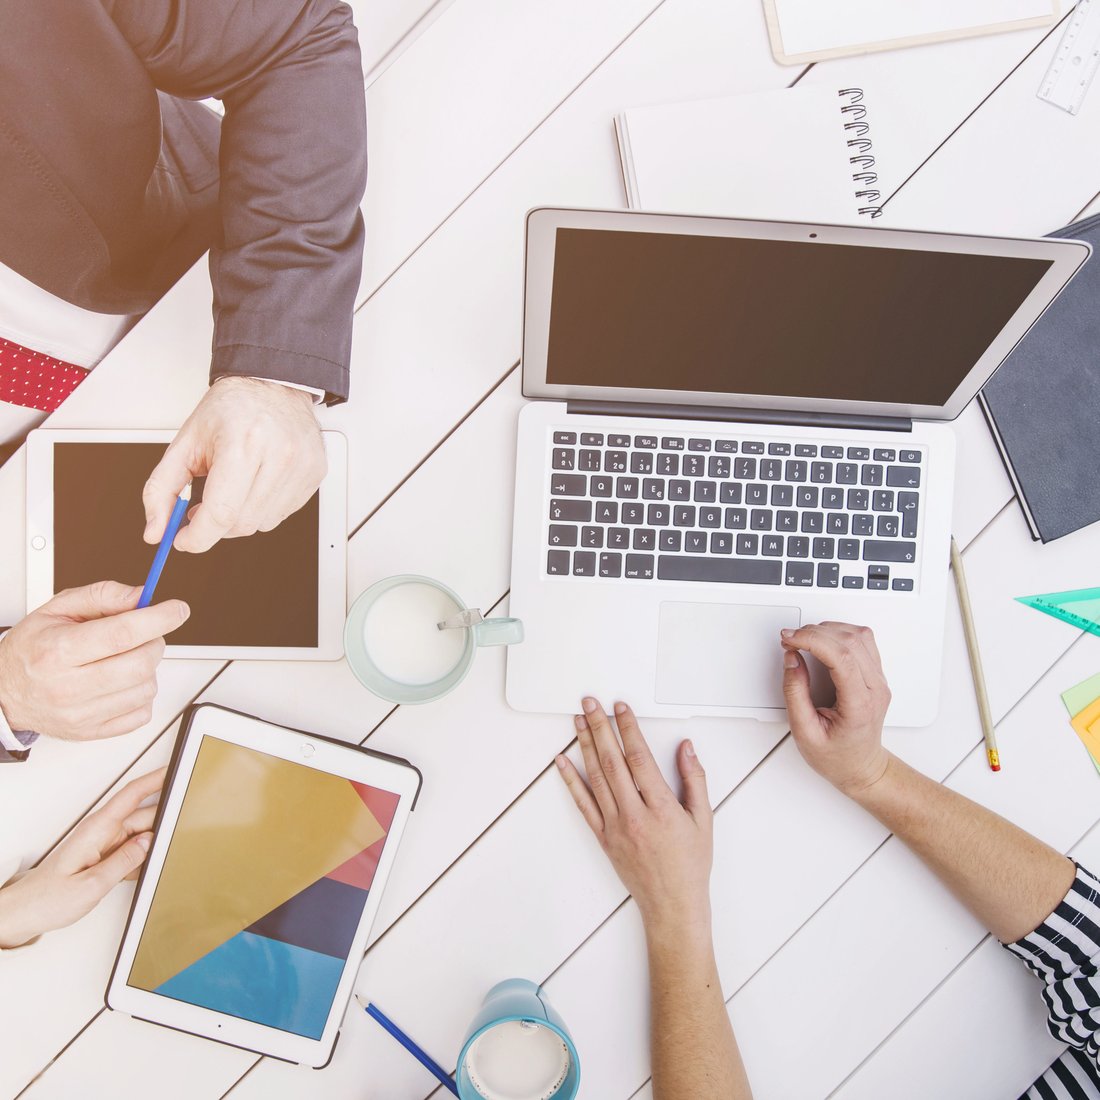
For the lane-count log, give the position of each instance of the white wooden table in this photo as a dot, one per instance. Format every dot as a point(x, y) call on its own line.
point(848, 970)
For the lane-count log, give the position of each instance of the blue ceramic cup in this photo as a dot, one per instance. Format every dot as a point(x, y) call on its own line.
point(518, 1048)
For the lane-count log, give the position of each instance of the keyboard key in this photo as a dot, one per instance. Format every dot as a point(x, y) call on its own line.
point(645, 538)
point(557, 563)
point(906, 477)
point(641, 463)
point(600, 485)
point(694, 465)
point(679, 490)
point(879, 583)
point(607, 511)
point(572, 511)
point(779, 448)
point(671, 443)
point(752, 448)
point(883, 454)
point(878, 571)
point(909, 456)
point(706, 491)
point(889, 551)
point(618, 538)
point(782, 496)
point(657, 515)
point(871, 475)
point(908, 507)
point(584, 564)
point(858, 500)
point(812, 523)
point(591, 439)
point(887, 527)
point(795, 470)
point(848, 549)
point(614, 462)
point(836, 523)
point(744, 468)
point(646, 442)
point(821, 472)
point(611, 565)
point(832, 452)
point(669, 540)
point(858, 454)
point(832, 497)
point(668, 465)
point(590, 460)
point(760, 519)
point(618, 441)
point(626, 488)
point(823, 549)
point(684, 515)
point(718, 466)
point(710, 516)
point(565, 438)
point(639, 567)
point(771, 546)
point(828, 575)
point(786, 521)
point(721, 542)
point(748, 544)
point(882, 500)
point(852, 582)
point(902, 584)
point(698, 444)
point(798, 546)
point(806, 450)
point(800, 574)
point(726, 446)
point(695, 542)
point(863, 525)
point(564, 458)
point(756, 494)
point(807, 496)
point(723, 570)
point(771, 469)
point(735, 519)
point(568, 485)
point(730, 493)
point(592, 538)
point(847, 473)
point(632, 513)
point(653, 488)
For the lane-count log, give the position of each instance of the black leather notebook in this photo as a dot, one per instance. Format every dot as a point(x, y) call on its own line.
point(1043, 404)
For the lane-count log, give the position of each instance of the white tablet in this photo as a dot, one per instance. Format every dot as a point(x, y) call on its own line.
point(252, 912)
point(279, 594)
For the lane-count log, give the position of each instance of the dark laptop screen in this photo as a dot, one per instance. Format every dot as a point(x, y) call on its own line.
point(780, 318)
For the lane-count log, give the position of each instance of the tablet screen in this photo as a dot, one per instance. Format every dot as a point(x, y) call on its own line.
point(262, 888)
point(257, 591)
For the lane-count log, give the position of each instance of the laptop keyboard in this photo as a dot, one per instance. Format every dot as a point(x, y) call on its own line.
point(734, 510)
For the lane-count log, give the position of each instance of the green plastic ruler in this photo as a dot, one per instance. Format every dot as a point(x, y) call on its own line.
point(1080, 608)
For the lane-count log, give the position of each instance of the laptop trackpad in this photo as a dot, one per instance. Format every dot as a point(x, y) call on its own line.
point(722, 655)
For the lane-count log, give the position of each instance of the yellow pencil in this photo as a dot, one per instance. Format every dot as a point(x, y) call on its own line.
point(975, 658)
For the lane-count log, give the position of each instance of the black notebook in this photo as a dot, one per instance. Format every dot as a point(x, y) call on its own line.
point(1043, 404)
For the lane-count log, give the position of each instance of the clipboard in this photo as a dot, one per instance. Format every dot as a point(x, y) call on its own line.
point(850, 32)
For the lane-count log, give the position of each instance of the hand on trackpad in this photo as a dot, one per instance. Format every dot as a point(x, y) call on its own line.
point(722, 655)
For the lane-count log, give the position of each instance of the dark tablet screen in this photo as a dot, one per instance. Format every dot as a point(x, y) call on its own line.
point(257, 591)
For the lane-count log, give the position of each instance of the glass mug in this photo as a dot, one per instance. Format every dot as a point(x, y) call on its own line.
point(410, 639)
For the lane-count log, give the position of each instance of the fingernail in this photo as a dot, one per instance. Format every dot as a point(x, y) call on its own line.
point(689, 749)
point(620, 708)
point(589, 704)
point(185, 611)
point(787, 633)
point(580, 722)
point(790, 660)
point(144, 840)
point(560, 761)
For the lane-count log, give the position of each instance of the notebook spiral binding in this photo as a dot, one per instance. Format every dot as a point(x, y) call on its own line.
point(860, 154)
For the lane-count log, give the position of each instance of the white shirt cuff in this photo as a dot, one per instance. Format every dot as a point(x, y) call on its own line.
point(318, 395)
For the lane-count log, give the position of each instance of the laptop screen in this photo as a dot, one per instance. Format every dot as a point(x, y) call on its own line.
point(789, 318)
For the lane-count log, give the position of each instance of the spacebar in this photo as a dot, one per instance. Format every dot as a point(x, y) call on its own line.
point(725, 570)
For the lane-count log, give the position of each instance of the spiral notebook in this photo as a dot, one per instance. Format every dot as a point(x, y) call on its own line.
point(808, 153)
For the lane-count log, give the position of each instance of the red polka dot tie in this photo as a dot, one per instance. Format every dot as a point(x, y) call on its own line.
point(33, 380)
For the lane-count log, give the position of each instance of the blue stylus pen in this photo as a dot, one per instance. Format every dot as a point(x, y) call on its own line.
point(174, 521)
point(425, 1060)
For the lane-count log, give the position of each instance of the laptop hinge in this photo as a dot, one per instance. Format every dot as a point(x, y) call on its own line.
point(744, 416)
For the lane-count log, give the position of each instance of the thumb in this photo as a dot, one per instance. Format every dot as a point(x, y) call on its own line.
point(93, 601)
point(122, 862)
point(796, 691)
point(696, 799)
point(165, 483)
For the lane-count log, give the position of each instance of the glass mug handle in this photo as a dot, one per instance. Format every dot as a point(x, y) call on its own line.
point(498, 631)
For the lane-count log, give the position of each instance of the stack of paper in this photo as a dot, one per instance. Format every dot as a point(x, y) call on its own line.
point(1083, 704)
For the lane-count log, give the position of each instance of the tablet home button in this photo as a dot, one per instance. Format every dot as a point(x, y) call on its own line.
point(38, 542)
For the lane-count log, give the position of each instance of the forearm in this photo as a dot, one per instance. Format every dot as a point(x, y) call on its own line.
point(693, 1048)
point(1007, 878)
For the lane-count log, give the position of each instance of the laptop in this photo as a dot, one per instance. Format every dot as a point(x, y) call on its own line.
point(741, 426)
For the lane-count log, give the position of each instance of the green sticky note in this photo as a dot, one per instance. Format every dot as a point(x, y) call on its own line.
point(1078, 697)
point(1080, 608)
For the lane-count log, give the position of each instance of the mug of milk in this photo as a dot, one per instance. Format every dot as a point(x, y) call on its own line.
point(518, 1048)
point(410, 639)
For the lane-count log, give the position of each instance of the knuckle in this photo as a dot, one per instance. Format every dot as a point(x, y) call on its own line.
point(610, 764)
point(636, 759)
point(118, 637)
point(223, 514)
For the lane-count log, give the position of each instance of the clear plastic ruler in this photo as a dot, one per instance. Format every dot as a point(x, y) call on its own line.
point(1075, 63)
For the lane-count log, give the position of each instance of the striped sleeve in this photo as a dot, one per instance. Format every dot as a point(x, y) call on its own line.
point(1064, 952)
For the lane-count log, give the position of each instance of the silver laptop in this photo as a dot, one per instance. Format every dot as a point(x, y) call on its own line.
point(739, 426)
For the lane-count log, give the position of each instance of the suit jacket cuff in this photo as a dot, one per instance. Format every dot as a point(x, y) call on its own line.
point(279, 365)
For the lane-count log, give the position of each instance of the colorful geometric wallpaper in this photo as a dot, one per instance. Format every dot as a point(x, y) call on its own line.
point(263, 888)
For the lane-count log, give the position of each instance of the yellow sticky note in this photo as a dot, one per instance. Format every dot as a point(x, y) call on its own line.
point(1087, 726)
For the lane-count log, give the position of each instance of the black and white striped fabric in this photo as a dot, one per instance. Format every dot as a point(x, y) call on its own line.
point(1064, 951)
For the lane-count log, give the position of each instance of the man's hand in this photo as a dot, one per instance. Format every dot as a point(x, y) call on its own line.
point(259, 447)
point(661, 849)
point(84, 665)
point(105, 848)
point(843, 742)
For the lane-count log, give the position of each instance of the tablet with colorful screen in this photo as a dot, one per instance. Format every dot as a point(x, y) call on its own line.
point(252, 914)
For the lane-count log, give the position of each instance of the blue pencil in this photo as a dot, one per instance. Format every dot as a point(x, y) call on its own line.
point(425, 1060)
point(174, 521)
